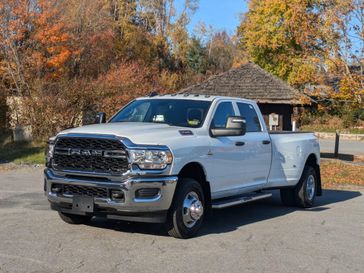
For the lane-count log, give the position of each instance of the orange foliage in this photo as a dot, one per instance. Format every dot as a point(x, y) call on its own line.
point(124, 83)
point(53, 40)
point(351, 89)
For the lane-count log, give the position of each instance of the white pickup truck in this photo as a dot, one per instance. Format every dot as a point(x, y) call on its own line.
point(172, 158)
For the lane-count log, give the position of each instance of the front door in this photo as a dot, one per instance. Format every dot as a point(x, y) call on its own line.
point(238, 163)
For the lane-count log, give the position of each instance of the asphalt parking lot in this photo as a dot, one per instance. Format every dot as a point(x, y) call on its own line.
point(257, 237)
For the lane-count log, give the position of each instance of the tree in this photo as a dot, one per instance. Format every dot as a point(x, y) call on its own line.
point(221, 52)
point(289, 38)
point(34, 43)
point(92, 22)
point(197, 56)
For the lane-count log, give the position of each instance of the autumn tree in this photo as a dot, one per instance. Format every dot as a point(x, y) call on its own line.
point(34, 43)
point(348, 60)
point(221, 52)
point(92, 24)
point(316, 46)
point(289, 38)
point(67, 59)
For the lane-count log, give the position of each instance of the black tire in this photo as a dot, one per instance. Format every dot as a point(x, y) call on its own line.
point(298, 195)
point(287, 197)
point(175, 222)
point(74, 219)
point(302, 198)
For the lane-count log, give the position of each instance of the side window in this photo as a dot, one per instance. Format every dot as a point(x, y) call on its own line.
point(224, 109)
point(248, 112)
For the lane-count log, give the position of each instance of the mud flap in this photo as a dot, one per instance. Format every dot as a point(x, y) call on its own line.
point(319, 186)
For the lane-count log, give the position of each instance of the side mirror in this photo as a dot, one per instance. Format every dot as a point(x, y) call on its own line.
point(100, 118)
point(235, 126)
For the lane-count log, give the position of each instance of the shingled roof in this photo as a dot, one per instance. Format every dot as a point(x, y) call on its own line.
point(248, 81)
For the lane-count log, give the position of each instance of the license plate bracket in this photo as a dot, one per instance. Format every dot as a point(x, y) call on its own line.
point(83, 204)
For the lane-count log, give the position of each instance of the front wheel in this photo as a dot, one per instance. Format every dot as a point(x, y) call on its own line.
point(186, 214)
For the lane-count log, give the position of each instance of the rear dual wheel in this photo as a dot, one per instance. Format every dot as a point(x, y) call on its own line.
point(304, 193)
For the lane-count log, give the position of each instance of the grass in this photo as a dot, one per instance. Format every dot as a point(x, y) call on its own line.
point(329, 129)
point(335, 173)
point(21, 153)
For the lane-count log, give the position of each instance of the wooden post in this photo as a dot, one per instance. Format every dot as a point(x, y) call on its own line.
point(337, 139)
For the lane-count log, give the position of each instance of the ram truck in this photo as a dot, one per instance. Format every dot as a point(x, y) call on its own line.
point(173, 158)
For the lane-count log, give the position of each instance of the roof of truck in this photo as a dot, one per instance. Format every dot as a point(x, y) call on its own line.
point(192, 96)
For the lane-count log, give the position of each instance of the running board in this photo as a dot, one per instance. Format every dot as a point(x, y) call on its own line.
point(232, 201)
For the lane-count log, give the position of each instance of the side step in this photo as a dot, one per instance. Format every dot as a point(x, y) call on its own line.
point(236, 200)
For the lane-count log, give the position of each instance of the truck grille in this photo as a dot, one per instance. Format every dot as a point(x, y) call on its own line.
point(81, 190)
point(90, 155)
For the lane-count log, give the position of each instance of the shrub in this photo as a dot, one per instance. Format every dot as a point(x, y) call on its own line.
point(54, 107)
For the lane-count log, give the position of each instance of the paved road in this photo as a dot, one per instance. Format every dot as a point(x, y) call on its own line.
point(345, 147)
point(256, 237)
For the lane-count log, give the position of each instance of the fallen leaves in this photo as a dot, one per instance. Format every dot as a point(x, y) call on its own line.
point(335, 173)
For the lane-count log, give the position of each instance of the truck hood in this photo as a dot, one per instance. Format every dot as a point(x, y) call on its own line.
point(137, 132)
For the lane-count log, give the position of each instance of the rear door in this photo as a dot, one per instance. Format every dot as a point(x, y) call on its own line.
point(257, 147)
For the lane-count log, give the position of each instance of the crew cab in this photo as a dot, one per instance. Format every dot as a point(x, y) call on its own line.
point(172, 158)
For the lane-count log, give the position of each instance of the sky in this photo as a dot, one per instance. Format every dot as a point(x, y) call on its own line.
point(221, 14)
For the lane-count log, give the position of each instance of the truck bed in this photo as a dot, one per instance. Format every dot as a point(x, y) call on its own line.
point(289, 153)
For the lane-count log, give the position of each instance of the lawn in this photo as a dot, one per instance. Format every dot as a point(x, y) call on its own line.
point(22, 153)
point(335, 173)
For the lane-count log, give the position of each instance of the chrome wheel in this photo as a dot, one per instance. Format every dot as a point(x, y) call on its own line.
point(310, 187)
point(192, 209)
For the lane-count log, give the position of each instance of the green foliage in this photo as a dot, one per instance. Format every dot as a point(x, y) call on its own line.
point(197, 56)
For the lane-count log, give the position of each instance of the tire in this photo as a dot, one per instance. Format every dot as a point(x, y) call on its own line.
point(304, 193)
point(181, 222)
point(74, 219)
point(305, 190)
point(287, 197)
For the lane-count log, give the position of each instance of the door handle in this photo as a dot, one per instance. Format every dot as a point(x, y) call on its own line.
point(265, 142)
point(239, 143)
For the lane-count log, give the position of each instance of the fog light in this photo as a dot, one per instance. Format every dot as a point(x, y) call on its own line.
point(117, 195)
point(146, 193)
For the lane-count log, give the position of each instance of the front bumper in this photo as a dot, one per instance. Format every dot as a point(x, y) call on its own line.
point(131, 208)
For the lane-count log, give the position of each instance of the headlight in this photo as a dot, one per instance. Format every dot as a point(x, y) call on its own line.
point(151, 159)
point(49, 151)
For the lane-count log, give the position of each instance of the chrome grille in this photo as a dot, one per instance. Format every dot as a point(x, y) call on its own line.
point(84, 154)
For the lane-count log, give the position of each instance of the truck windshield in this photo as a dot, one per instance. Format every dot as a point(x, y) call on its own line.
point(175, 112)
